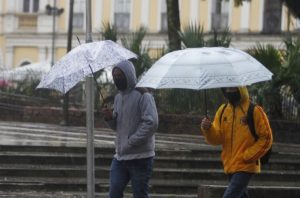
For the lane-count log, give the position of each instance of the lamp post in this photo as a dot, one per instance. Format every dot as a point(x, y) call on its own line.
point(69, 47)
point(54, 11)
point(90, 151)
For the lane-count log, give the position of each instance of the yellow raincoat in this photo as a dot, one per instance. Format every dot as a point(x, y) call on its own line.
point(240, 151)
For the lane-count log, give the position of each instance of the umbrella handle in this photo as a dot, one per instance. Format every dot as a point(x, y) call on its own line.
point(205, 104)
point(98, 88)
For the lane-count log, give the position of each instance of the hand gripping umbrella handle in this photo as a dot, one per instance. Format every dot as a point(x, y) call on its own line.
point(205, 104)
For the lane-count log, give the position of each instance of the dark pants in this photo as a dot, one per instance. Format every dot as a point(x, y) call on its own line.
point(237, 187)
point(138, 171)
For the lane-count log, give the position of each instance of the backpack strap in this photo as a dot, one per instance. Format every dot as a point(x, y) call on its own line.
point(222, 111)
point(250, 120)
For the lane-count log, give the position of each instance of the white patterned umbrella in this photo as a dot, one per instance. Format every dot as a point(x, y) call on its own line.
point(203, 68)
point(32, 71)
point(82, 61)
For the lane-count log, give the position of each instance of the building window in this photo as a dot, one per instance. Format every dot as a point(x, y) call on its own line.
point(27, 21)
point(30, 6)
point(122, 15)
point(272, 16)
point(78, 16)
point(78, 20)
point(219, 14)
point(163, 17)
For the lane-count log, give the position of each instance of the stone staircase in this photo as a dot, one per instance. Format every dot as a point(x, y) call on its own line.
point(42, 160)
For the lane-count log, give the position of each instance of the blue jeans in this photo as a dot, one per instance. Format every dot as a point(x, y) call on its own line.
point(237, 187)
point(138, 171)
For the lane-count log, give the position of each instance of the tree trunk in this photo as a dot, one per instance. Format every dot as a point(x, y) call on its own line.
point(294, 7)
point(173, 24)
point(69, 47)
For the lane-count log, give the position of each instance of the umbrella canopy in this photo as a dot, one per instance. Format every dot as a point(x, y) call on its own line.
point(203, 68)
point(82, 61)
point(34, 71)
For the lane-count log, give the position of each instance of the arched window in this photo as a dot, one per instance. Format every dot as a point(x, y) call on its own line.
point(25, 63)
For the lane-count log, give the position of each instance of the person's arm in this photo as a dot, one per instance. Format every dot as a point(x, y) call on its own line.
point(112, 122)
point(110, 116)
point(212, 131)
point(149, 121)
point(264, 133)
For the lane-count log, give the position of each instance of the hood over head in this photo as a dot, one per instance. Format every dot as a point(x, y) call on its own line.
point(243, 93)
point(129, 72)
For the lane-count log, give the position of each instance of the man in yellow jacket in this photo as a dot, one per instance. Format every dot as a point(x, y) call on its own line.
point(240, 151)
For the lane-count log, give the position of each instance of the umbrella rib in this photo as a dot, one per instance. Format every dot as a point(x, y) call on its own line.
point(98, 88)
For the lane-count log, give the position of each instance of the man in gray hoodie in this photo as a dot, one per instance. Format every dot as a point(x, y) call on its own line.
point(135, 119)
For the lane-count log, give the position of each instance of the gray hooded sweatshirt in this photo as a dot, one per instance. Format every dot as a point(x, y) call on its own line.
point(135, 119)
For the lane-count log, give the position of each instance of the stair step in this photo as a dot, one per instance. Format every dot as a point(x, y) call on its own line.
point(217, 191)
point(50, 160)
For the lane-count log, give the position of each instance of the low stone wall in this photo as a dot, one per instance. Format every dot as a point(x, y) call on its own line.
point(51, 115)
point(283, 131)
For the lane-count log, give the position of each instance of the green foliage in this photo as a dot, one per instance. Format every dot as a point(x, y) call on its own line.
point(134, 43)
point(192, 36)
point(291, 72)
point(268, 93)
point(269, 56)
point(109, 32)
point(222, 38)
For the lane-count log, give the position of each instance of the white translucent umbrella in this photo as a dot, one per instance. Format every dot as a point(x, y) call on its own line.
point(203, 68)
point(32, 71)
point(82, 61)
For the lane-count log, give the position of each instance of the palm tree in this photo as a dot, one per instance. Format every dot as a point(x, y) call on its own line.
point(221, 38)
point(192, 36)
point(293, 5)
point(109, 32)
point(268, 93)
point(291, 73)
point(134, 43)
point(173, 24)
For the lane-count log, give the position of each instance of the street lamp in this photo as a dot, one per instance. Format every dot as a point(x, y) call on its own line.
point(54, 11)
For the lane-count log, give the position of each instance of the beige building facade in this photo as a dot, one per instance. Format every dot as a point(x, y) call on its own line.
point(27, 36)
